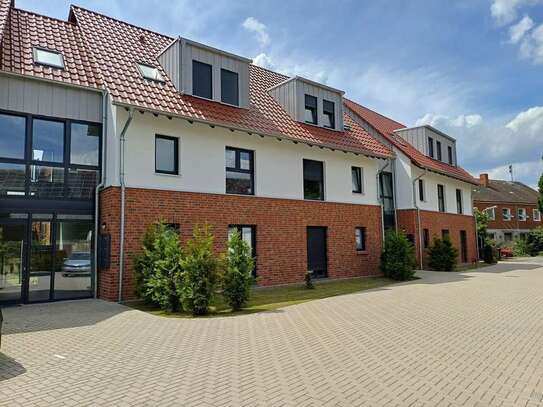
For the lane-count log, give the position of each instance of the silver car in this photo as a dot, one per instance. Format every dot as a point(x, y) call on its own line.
point(76, 264)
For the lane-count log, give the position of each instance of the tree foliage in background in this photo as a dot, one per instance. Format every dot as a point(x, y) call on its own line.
point(481, 218)
point(158, 268)
point(540, 200)
point(442, 255)
point(398, 260)
point(534, 241)
point(200, 272)
point(238, 278)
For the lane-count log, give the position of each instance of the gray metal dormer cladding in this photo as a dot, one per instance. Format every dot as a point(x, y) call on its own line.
point(297, 93)
point(184, 58)
point(431, 142)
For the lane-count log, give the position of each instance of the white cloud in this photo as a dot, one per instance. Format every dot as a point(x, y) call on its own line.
point(506, 11)
point(251, 24)
point(517, 31)
point(467, 121)
point(263, 60)
point(529, 122)
point(532, 46)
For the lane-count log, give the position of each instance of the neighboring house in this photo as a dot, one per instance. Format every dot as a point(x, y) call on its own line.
point(433, 194)
point(511, 207)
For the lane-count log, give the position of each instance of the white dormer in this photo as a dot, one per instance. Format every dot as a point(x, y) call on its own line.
point(431, 142)
point(210, 73)
point(310, 102)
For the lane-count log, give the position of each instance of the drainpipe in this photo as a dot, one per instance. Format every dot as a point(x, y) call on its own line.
point(421, 243)
point(98, 188)
point(123, 187)
point(379, 196)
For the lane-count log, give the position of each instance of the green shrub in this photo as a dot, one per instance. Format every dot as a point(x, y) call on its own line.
point(158, 267)
point(398, 259)
point(521, 247)
point(200, 272)
point(309, 280)
point(442, 255)
point(535, 242)
point(238, 277)
point(490, 255)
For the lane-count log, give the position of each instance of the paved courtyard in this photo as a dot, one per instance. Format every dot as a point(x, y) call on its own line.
point(448, 339)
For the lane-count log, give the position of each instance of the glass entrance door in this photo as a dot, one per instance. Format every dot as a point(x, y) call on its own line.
point(41, 260)
point(12, 261)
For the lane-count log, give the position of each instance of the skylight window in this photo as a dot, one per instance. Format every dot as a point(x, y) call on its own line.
point(49, 58)
point(150, 72)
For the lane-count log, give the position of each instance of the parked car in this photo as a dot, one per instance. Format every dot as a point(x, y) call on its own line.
point(506, 252)
point(76, 263)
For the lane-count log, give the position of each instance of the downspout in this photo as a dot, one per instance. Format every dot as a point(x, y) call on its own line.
point(379, 196)
point(123, 188)
point(97, 190)
point(421, 243)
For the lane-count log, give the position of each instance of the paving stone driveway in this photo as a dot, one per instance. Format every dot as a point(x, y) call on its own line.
point(449, 339)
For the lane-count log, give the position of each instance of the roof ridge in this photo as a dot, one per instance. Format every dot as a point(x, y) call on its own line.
point(42, 15)
point(374, 111)
point(269, 70)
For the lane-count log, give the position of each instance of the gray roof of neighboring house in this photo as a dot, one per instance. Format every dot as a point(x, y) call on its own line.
point(505, 191)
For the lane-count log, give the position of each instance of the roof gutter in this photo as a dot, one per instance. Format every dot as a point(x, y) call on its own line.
point(122, 140)
point(420, 238)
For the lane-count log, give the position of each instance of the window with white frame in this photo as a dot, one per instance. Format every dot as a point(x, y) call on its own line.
point(506, 213)
point(491, 213)
point(521, 213)
point(537, 215)
point(48, 57)
point(150, 72)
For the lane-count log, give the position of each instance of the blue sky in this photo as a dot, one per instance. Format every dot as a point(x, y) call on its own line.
point(472, 68)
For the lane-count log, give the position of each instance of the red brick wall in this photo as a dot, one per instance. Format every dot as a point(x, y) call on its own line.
point(514, 223)
point(435, 222)
point(280, 232)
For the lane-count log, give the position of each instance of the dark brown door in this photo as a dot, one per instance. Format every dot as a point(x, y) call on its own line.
point(316, 251)
point(463, 246)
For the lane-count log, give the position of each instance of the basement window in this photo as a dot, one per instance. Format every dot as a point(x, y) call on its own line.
point(49, 58)
point(150, 72)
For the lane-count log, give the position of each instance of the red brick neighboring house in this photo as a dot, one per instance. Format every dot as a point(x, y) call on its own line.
point(511, 207)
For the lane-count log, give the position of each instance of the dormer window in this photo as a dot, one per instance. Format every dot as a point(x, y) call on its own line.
point(450, 154)
point(431, 147)
point(310, 109)
point(329, 115)
point(229, 87)
point(438, 148)
point(49, 58)
point(150, 72)
point(202, 80)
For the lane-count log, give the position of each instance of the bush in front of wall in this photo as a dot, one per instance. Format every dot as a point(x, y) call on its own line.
point(398, 260)
point(521, 247)
point(238, 276)
point(490, 255)
point(309, 280)
point(442, 255)
point(535, 242)
point(158, 267)
point(200, 272)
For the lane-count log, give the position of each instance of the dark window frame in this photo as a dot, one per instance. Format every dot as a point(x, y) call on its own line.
point(240, 170)
point(439, 152)
point(459, 202)
point(223, 70)
point(450, 155)
point(441, 198)
point(363, 235)
point(431, 147)
point(195, 62)
point(331, 114)
point(314, 109)
point(28, 162)
point(322, 181)
point(445, 234)
point(176, 154)
point(426, 238)
point(357, 171)
point(421, 190)
point(239, 228)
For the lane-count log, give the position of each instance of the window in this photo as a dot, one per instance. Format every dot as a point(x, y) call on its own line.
point(521, 213)
point(202, 80)
point(386, 189)
point(459, 206)
point(313, 180)
point(50, 58)
point(450, 154)
point(491, 213)
point(82, 183)
point(12, 179)
point(12, 136)
point(431, 147)
point(441, 198)
point(426, 238)
point(166, 155)
point(421, 190)
point(508, 237)
point(438, 148)
point(537, 215)
point(310, 109)
point(229, 87)
point(248, 234)
point(329, 115)
point(47, 141)
point(506, 213)
point(150, 72)
point(46, 182)
point(174, 227)
point(239, 171)
point(360, 238)
point(445, 234)
point(356, 175)
point(85, 144)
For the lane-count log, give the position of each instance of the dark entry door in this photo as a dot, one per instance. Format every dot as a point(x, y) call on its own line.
point(463, 246)
point(12, 261)
point(316, 251)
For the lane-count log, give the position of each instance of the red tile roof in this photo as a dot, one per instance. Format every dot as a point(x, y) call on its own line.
point(27, 30)
point(386, 127)
point(119, 46)
point(5, 6)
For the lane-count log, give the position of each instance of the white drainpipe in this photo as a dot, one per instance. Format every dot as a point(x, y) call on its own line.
point(123, 187)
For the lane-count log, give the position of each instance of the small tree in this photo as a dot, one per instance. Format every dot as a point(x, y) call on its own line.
point(442, 255)
point(238, 277)
point(398, 260)
point(158, 267)
point(200, 272)
point(489, 253)
point(535, 241)
point(481, 221)
point(540, 200)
